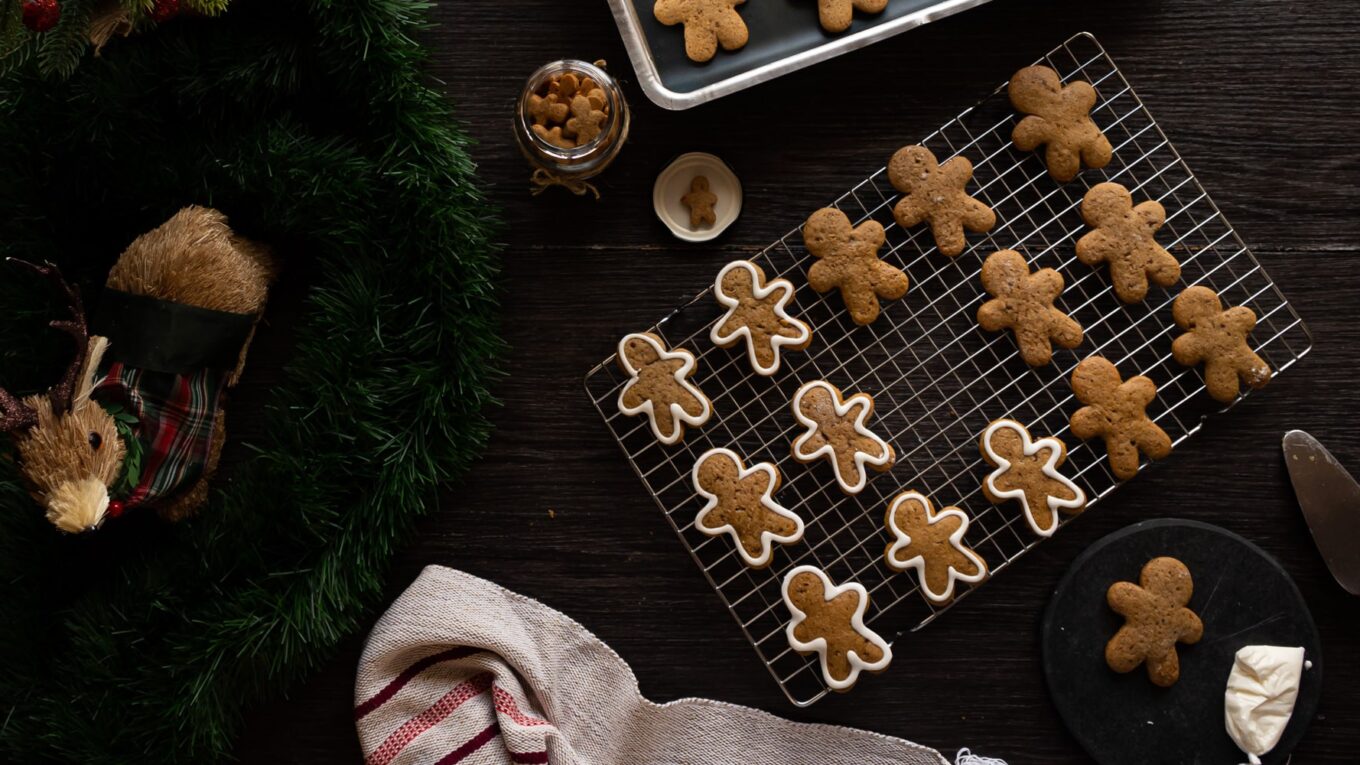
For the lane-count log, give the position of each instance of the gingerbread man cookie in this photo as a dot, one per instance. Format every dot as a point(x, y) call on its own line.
point(587, 118)
point(828, 620)
point(931, 543)
point(553, 135)
point(836, 432)
point(847, 258)
point(934, 193)
point(1116, 411)
point(1155, 620)
point(700, 202)
point(659, 387)
point(757, 312)
point(1023, 303)
point(1218, 339)
point(740, 503)
point(836, 15)
point(1027, 472)
point(546, 109)
point(708, 23)
point(1124, 237)
point(1059, 117)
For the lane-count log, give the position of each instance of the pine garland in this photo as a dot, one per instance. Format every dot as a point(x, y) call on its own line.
point(311, 125)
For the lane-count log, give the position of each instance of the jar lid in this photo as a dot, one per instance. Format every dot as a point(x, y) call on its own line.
point(674, 183)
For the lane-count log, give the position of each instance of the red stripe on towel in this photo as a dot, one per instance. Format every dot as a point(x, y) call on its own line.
point(473, 744)
point(529, 758)
point(422, 722)
point(407, 676)
point(505, 704)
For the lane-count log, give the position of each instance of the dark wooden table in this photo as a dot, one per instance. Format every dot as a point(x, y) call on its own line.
point(1262, 99)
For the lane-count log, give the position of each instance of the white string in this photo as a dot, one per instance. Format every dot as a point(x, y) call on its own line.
point(966, 757)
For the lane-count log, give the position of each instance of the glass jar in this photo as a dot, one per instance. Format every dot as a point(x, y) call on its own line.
point(546, 131)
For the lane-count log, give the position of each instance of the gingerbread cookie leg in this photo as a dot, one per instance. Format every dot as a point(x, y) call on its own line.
point(740, 503)
point(828, 620)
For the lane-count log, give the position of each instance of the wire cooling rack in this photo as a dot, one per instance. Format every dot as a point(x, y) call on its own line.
point(937, 379)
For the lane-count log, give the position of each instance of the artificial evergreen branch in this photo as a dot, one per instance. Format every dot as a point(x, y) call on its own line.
point(312, 126)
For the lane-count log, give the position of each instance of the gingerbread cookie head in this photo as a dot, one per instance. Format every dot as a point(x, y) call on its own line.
point(934, 194)
point(700, 201)
point(708, 24)
point(847, 258)
point(1116, 410)
point(1027, 471)
point(1023, 303)
point(836, 15)
point(1217, 339)
point(931, 543)
point(1060, 118)
point(659, 387)
point(837, 431)
point(1155, 620)
point(1123, 236)
point(757, 312)
point(740, 503)
point(828, 620)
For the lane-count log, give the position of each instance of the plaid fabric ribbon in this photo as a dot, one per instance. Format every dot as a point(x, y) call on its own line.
point(175, 424)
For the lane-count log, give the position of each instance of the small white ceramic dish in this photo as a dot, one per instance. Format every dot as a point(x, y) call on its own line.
point(674, 182)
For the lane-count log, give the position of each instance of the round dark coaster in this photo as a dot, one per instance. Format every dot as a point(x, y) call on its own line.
point(1242, 596)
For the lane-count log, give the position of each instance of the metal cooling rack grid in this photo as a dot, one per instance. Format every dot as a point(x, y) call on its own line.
point(936, 377)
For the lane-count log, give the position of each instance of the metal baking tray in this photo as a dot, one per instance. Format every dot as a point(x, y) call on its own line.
point(785, 37)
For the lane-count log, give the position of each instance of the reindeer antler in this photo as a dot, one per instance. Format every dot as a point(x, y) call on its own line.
point(62, 392)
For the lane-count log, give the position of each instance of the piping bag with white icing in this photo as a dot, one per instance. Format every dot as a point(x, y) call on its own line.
point(1262, 688)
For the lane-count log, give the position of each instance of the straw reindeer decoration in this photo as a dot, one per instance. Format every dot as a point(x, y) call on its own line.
point(136, 419)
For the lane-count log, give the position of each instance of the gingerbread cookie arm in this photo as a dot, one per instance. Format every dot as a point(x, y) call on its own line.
point(1063, 160)
point(1031, 133)
point(978, 217)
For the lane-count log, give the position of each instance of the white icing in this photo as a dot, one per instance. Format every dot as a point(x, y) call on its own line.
point(1262, 688)
point(818, 645)
point(1050, 469)
point(767, 537)
point(860, 401)
point(646, 406)
point(918, 562)
point(743, 332)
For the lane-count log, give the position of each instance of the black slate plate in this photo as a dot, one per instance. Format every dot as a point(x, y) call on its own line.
point(778, 30)
point(1243, 597)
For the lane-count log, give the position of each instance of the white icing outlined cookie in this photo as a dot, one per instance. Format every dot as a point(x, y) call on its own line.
point(740, 503)
point(1008, 446)
point(754, 317)
point(931, 542)
point(839, 436)
point(659, 376)
point(827, 623)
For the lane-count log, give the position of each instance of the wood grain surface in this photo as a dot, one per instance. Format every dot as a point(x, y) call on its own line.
point(1260, 97)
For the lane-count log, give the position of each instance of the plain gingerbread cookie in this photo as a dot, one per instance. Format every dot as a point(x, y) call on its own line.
point(1124, 236)
point(1116, 411)
point(847, 258)
point(700, 200)
point(934, 193)
point(836, 15)
point(1218, 339)
point(1155, 620)
point(828, 620)
point(708, 24)
point(1023, 303)
point(1059, 117)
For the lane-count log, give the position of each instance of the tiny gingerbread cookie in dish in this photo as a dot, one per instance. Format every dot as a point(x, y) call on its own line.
point(836, 431)
point(934, 193)
point(1218, 339)
point(931, 543)
point(757, 312)
point(828, 620)
point(708, 24)
point(1116, 410)
point(1027, 472)
point(740, 503)
point(1059, 117)
point(659, 387)
point(1124, 237)
point(700, 200)
point(1023, 303)
point(847, 259)
point(1155, 620)
point(836, 15)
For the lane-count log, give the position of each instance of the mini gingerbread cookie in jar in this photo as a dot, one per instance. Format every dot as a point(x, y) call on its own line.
point(570, 122)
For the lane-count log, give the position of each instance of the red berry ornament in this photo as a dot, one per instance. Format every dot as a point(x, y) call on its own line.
point(41, 15)
point(164, 10)
point(115, 508)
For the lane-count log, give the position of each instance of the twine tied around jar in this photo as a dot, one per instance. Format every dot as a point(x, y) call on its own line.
point(542, 180)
